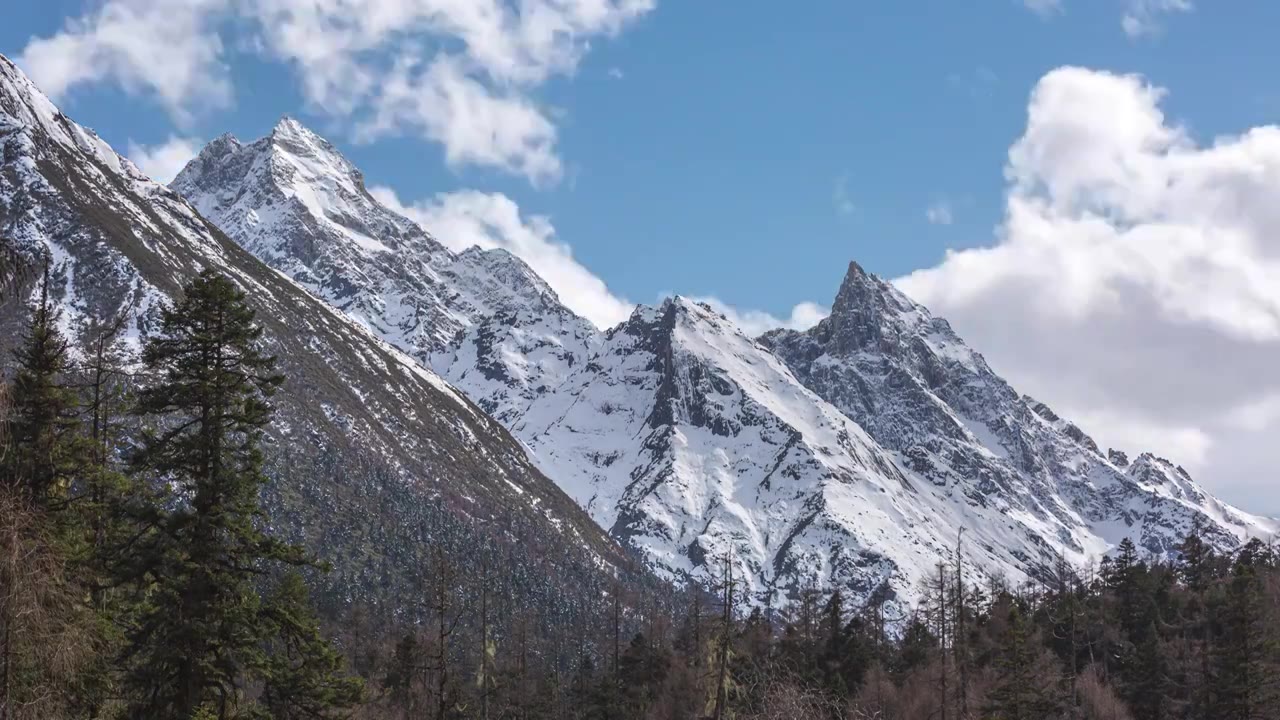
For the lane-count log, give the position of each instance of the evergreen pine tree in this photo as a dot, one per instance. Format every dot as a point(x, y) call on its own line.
point(1246, 672)
point(202, 630)
point(303, 675)
point(43, 454)
point(1022, 691)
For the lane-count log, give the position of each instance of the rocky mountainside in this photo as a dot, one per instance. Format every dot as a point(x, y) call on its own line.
point(376, 459)
point(481, 318)
point(913, 384)
point(852, 455)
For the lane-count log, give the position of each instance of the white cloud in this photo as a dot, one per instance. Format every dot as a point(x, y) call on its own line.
point(463, 73)
point(492, 220)
point(1135, 283)
point(476, 125)
point(939, 213)
point(616, 73)
point(164, 161)
point(166, 49)
point(1044, 8)
point(476, 93)
point(1142, 17)
point(757, 322)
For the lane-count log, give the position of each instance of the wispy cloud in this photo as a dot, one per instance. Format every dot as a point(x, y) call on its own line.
point(1044, 8)
point(758, 322)
point(978, 84)
point(939, 213)
point(1143, 17)
point(840, 197)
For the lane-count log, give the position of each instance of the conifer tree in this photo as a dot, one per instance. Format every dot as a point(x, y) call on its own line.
point(43, 454)
point(303, 675)
point(1247, 672)
point(202, 630)
point(1021, 691)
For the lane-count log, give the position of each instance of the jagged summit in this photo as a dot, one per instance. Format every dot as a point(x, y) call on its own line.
point(920, 391)
point(849, 455)
point(481, 318)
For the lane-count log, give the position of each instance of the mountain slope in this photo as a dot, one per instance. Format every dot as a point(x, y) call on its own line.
point(917, 389)
point(853, 455)
point(376, 459)
point(482, 318)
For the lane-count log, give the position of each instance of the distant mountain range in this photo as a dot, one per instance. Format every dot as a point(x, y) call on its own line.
point(851, 455)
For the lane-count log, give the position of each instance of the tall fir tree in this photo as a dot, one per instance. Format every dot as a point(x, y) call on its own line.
point(202, 631)
point(1022, 689)
point(43, 454)
point(1246, 675)
point(303, 676)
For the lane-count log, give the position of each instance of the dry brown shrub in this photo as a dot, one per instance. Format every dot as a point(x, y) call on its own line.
point(45, 637)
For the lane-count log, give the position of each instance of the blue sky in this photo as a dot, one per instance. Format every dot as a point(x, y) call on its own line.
point(746, 151)
point(713, 165)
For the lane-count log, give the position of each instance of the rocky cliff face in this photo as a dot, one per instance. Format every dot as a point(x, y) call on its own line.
point(482, 319)
point(376, 459)
point(852, 455)
point(916, 388)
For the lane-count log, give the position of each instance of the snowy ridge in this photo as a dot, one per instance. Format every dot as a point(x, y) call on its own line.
point(850, 455)
point(481, 318)
point(119, 244)
point(919, 390)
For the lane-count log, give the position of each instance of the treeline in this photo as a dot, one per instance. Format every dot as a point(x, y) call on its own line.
point(140, 578)
point(1134, 640)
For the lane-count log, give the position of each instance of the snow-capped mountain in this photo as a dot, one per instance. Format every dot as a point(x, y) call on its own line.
point(375, 458)
point(914, 385)
point(852, 455)
point(699, 445)
point(481, 318)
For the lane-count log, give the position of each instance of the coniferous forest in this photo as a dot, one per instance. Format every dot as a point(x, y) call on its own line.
point(140, 577)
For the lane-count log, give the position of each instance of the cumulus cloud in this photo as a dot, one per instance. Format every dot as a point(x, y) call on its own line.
point(492, 220)
point(476, 125)
point(1135, 282)
point(758, 322)
point(164, 161)
point(463, 73)
point(165, 49)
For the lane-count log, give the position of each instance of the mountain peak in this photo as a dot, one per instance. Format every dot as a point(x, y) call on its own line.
point(221, 146)
point(22, 100)
point(859, 291)
point(288, 129)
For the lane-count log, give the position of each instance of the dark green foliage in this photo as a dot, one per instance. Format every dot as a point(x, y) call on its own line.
point(1246, 663)
point(304, 673)
point(44, 452)
point(1023, 690)
point(201, 631)
point(177, 554)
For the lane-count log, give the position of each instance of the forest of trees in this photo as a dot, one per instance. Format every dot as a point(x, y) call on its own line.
point(139, 578)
